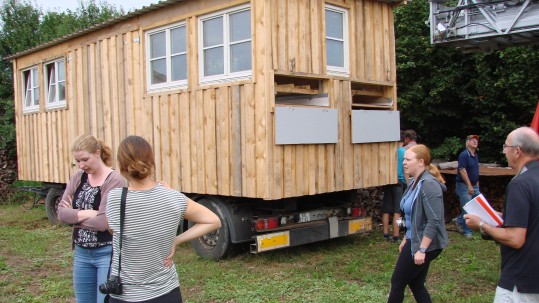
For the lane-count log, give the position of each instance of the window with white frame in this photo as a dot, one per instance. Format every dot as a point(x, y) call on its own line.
point(167, 57)
point(225, 45)
point(55, 79)
point(337, 51)
point(30, 93)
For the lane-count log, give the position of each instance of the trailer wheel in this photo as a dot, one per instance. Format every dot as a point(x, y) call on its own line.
point(51, 204)
point(217, 244)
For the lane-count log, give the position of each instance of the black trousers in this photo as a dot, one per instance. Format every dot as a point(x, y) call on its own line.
point(407, 273)
point(174, 296)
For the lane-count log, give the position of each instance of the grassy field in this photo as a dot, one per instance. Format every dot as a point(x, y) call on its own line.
point(36, 260)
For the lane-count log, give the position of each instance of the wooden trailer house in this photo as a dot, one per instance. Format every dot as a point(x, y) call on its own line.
point(271, 112)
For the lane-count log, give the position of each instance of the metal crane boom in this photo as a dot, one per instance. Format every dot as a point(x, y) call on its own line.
point(484, 25)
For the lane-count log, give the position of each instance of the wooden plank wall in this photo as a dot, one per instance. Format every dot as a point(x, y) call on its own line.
point(312, 169)
point(218, 139)
point(104, 99)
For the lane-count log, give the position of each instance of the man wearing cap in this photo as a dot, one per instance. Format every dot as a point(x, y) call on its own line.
point(467, 185)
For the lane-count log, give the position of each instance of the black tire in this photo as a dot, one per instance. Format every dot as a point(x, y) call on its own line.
point(51, 204)
point(215, 245)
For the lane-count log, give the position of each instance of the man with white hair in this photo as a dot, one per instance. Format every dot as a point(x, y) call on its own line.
point(519, 234)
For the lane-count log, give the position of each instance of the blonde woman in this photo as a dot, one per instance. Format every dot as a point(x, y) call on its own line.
point(83, 206)
point(426, 236)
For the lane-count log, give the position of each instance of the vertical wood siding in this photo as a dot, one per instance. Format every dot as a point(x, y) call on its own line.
point(216, 139)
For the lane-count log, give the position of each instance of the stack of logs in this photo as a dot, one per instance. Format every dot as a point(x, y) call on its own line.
point(8, 175)
point(492, 187)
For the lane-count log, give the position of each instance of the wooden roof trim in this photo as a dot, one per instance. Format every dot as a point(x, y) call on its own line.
point(113, 21)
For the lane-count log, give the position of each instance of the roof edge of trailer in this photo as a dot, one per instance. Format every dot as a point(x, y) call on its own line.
point(96, 27)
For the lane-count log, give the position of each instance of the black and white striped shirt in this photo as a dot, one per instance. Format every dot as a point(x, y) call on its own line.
point(151, 221)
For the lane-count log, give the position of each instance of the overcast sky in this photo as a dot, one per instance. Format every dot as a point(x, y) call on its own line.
point(62, 5)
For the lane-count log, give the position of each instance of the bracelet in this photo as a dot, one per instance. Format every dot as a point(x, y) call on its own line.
point(481, 228)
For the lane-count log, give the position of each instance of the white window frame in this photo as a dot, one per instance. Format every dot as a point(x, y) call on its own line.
point(339, 70)
point(227, 76)
point(35, 84)
point(169, 84)
point(57, 102)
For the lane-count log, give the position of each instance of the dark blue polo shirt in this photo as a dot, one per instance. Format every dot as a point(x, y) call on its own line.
point(471, 164)
point(520, 267)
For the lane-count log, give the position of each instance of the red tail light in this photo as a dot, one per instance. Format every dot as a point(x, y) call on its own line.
point(259, 224)
point(272, 222)
point(266, 223)
point(356, 211)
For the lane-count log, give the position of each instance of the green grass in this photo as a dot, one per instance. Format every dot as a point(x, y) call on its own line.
point(36, 260)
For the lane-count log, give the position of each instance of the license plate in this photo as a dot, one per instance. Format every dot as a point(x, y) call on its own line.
point(273, 241)
point(355, 226)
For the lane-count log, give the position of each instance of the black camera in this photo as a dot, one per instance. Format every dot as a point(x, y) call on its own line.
point(112, 286)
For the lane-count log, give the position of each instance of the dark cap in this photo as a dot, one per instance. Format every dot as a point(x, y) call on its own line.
point(470, 137)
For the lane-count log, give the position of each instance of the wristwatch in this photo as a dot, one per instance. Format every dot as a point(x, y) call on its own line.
point(422, 250)
point(481, 227)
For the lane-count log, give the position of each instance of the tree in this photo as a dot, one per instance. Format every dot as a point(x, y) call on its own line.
point(445, 95)
point(20, 28)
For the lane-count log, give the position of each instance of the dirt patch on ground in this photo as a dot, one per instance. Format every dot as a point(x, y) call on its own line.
point(22, 275)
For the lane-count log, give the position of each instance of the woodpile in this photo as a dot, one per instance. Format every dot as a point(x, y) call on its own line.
point(8, 174)
point(492, 186)
point(371, 200)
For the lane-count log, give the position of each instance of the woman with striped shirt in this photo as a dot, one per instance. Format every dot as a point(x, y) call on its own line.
point(152, 215)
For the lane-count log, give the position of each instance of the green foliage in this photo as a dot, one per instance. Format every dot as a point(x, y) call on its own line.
point(15, 195)
point(7, 128)
point(444, 93)
point(59, 24)
point(20, 22)
point(90, 13)
point(449, 149)
point(19, 31)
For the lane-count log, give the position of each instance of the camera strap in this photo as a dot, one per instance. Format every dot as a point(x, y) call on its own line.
point(122, 221)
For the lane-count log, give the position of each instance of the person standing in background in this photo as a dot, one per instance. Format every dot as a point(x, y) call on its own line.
point(393, 196)
point(519, 234)
point(467, 181)
point(83, 205)
point(410, 137)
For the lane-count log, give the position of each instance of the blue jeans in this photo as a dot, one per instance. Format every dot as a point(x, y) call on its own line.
point(462, 192)
point(90, 269)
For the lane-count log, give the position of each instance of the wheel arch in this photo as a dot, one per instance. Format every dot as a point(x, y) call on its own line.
point(238, 217)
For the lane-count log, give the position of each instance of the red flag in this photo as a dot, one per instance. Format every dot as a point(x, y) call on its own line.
point(535, 120)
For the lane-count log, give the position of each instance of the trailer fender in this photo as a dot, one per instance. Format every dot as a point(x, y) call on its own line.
point(238, 219)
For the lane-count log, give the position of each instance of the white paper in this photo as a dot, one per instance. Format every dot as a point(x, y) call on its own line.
point(479, 206)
